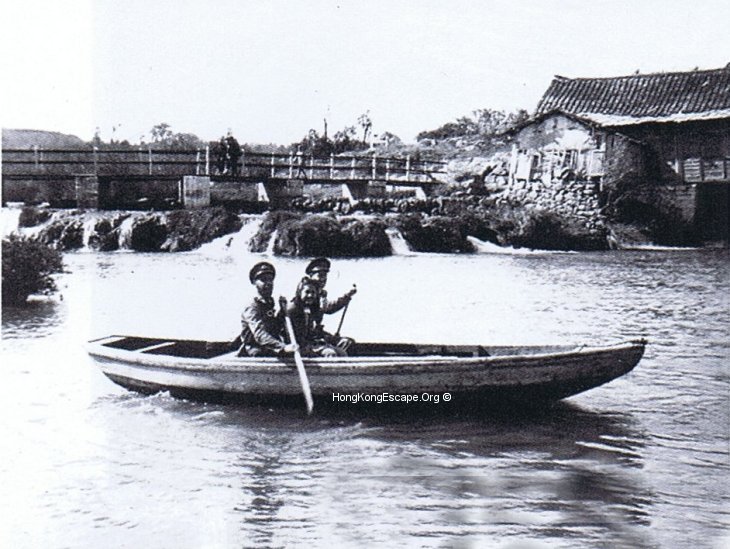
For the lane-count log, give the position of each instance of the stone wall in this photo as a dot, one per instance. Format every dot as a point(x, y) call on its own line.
point(572, 199)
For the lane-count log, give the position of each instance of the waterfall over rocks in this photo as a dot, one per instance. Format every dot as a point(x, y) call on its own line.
point(398, 244)
point(234, 244)
point(272, 242)
point(10, 219)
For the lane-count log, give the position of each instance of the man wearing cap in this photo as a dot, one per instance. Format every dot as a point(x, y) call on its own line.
point(318, 270)
point(261, 326)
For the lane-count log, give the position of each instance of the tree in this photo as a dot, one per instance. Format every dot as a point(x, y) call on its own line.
point(390, 139)
point(161, 133)
point(483, 124)
point(164, 138)
point(315, 145)
point(366, 124)
point(345, 140)
point(515, 118)
point(27, 269)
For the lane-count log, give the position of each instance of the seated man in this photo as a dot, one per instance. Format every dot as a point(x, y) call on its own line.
point(261, 326)
point(303, 311)
point(318, 271)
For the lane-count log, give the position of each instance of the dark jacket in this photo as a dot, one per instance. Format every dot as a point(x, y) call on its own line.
point(328, 307)
point(304, 322)
point(262, 327)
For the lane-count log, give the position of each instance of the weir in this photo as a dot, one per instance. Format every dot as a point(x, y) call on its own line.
point(398, 244)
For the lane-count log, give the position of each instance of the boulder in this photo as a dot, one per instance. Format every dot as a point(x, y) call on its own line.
point(369, 238)
point(188, 229)
point(148, 233)
point(65, 233)
point(433, 234)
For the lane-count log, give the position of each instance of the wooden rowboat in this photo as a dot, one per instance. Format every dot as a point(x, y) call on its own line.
point(373, 374)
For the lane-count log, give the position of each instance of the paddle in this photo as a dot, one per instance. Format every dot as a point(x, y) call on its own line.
point(300, 366)
point(342, 318)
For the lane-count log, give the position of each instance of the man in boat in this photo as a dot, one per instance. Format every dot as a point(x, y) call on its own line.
point(261, 325)
point(317, 271)
point(303, 310)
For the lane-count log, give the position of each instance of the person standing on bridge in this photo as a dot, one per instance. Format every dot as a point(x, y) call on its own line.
point(233, 153)
point(220, 154)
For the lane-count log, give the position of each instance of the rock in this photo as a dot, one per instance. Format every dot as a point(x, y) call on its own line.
point(31, 216)
point(369, 238)
point(65, 233)
point(105, 238)
point(148, 233)
point(260, 241)
point(188, 229)
point(433, 234)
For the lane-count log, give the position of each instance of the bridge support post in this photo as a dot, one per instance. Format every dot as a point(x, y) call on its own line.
point(376, 189)
point(87, 191)
point(278, 192)
point(355, 190)
point(358, 190)
point(195, 191)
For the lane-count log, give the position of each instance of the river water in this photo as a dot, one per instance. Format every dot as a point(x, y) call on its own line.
point(641, 462)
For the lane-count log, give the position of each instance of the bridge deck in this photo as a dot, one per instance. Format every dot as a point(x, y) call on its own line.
point(151, 164)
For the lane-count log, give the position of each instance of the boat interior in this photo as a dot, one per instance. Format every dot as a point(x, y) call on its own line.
point(214, 349)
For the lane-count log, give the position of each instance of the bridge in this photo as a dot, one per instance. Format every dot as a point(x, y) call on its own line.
point(118, 178)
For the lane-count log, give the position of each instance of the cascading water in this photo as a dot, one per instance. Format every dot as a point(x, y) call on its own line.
point(10, 219)
point(270, 247)
point(398, 244)
point(234, 244)
point(485, 247)
point(89, 230)
point(125, 232)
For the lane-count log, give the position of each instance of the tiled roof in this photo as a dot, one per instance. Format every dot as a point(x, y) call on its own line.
point(660, 97)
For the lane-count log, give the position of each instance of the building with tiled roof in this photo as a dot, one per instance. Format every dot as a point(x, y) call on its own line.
point(669, 131)
point(673, 97)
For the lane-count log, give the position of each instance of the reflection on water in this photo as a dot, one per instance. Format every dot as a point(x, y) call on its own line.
point(37, 318)
point(640, 462)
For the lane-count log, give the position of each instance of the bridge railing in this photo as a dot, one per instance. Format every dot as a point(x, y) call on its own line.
point(147, 162)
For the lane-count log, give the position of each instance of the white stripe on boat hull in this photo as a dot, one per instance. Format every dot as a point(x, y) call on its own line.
point(577, 371)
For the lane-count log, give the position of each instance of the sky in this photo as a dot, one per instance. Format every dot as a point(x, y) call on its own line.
point(271, 70)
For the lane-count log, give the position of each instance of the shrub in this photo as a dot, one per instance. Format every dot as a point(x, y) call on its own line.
point(27, 269)
point(30, 216)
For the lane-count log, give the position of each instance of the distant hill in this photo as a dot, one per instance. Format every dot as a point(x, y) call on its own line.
point(27, 139)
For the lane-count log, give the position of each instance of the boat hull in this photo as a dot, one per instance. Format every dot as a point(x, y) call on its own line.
point(527, 375)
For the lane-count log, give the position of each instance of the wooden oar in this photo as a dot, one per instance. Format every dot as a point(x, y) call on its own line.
point(342, 318)
point(300, 366)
